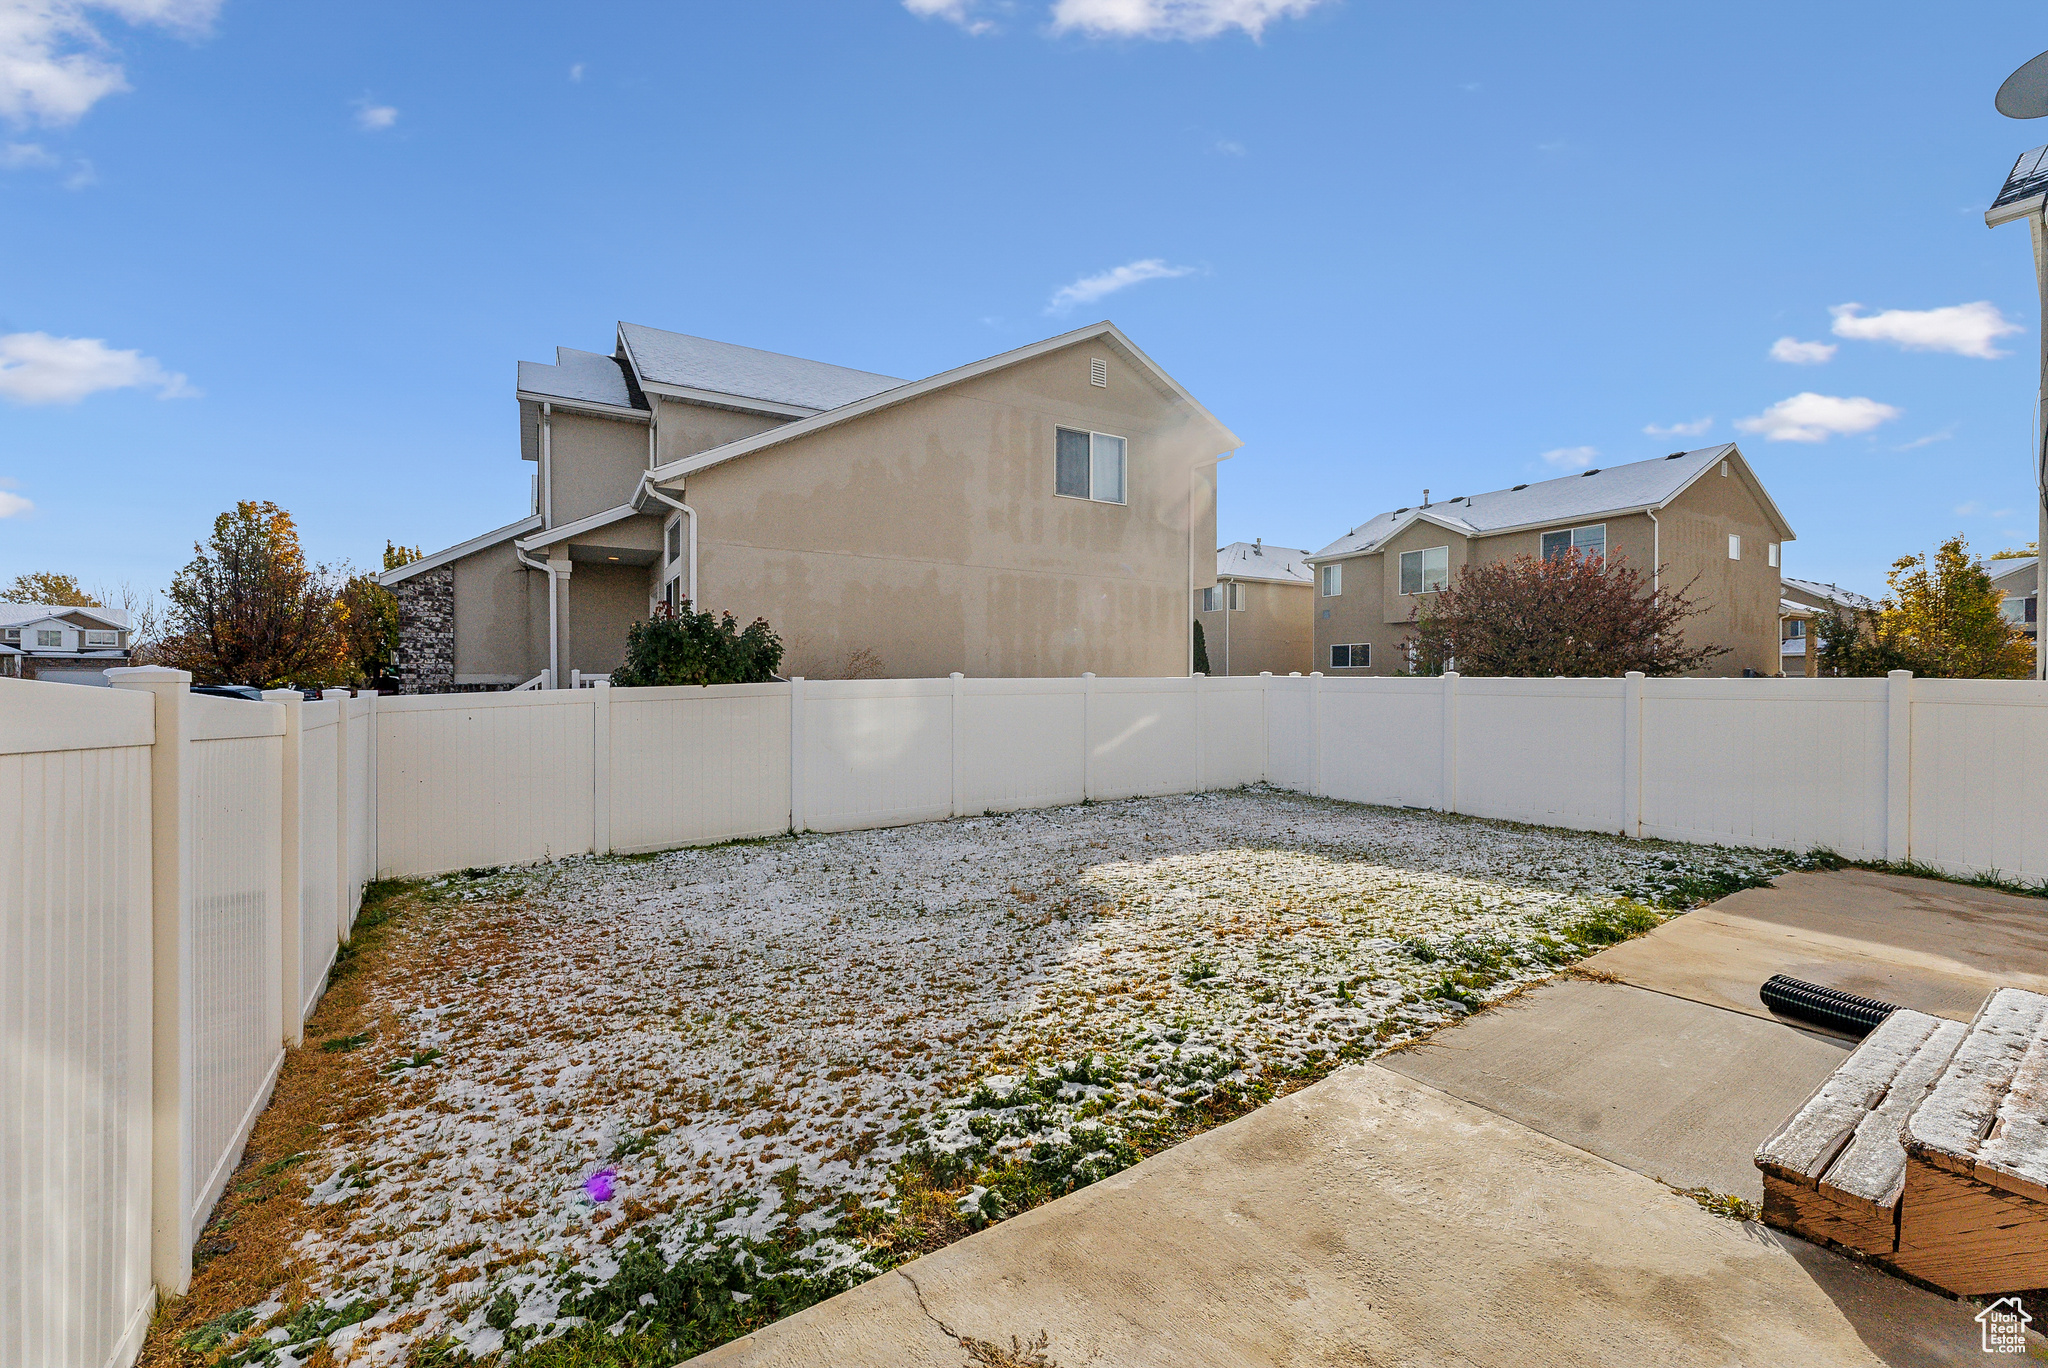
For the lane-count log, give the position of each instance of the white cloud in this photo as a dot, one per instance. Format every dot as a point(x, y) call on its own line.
point(1229, 147)
point(1692, 429)
point(36, 368)
point(12, 505)
point(1184, 19)
point(968, 14)
point(1088, 289)
point(1572, 458)
point(1810, 417)
point(25, 156)
point(374, 118)
point(1929, 440)
point(1965, 329)
point(1794, 352)
point(576, 72)
point(54, 62)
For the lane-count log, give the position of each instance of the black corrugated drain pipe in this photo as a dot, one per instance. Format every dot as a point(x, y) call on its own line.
point(1829, 1007)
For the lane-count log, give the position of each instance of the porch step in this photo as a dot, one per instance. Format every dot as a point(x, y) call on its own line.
point(1927, 1150)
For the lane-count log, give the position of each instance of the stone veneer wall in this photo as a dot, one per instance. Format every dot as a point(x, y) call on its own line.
point(426, 632)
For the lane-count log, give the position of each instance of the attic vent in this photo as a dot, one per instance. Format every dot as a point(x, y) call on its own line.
point(1397, 513)
point(1584, 473)
point(1098, 373)
point(1674, 455)
point(1519, 486)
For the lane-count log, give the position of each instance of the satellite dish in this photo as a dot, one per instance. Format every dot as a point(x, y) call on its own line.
point(2025, 93)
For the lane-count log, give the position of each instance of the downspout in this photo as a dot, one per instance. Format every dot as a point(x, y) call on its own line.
point(690, 513)
point(547, 465)
point(1656, 556)
point(1226, 629)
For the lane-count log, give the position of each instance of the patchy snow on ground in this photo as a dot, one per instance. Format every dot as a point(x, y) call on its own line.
point(607, 1074)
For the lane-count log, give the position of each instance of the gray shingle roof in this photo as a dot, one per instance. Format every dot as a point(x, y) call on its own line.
point(1589, 494)
point(1832, 593)
point(2014, 574)
point(590, 376)
point(22, 614)
point(667, 358)
point(1244, 560)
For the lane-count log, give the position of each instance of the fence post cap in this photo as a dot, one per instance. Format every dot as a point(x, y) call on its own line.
point(1633, 674)
point(140, 675)
point(336, 693)
point(1087, 674)
point(1265, 674)
point(1888, 674)
point(289, 697)
point(956, 675)
point(1451, 674)
point(599, 684)
point(1315, 674)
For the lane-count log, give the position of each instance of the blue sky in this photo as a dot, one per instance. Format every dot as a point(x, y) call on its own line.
point(293, 251)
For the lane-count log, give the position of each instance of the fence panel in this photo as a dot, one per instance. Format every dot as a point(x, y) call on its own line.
point(1383, 741)
point(1979, 746)
point(1541, 750)
point(1020, 743)
point(1771, 763)
point(320, 856)
point(876, 752)
point(1290, 758)
point(1233, 732)
point(1141, 738)
point(693, 765)
point(75, 1096)
point(235, 798)
point(482, 779)
point(362, 801)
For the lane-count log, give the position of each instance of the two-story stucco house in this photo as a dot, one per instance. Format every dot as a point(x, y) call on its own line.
point(62, 644)
point(1698, 518)
point(1256, 617)
point(1047, 511)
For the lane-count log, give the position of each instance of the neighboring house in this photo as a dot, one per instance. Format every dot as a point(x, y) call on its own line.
point(61, 644)
point(1695, 519)
point(1800, 603)
point(1043, 512)
point(2018, 578)
point(1256, 617)
point(1797, 652)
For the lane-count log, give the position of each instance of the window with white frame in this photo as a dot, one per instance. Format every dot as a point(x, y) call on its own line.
point(49, 638)
point(1794, 629)
point(1734, 546)
point(1771, 554)
point(1088, 465)
point(2014, 607)
point(1209, 598)
point(672, 593)
point(1589, 542)
point(11, 634)
point(103, 638)
point(1355, 656)
point(1234, 596)
point(1333, 581)
point(675, 541)
point(1426, 571)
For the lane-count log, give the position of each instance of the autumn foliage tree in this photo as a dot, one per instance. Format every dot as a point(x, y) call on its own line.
point(1561, 615)
point(48, 586)
point(1941, 620)
point(248, 609)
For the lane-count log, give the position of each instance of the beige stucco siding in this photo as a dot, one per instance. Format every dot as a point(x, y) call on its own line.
point(1739, 597)
point(605, 600)
point(501, 614)
point(1631, 540)
point(1274, 631)
point(684, 429)
point(929, 534)
point(595, 463)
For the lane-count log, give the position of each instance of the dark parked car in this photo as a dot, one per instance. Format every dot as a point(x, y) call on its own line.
point(248, 691)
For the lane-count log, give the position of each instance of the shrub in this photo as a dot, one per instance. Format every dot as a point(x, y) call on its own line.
point(684, 646)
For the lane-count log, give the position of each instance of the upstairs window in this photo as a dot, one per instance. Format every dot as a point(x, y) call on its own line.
point(103, 638)
point(1088, 465)
point(1734, 546)
point(1333, 580)
point(1356, 656)
point(1794, 629)
point(49, 638)
point(675, 541)
point(1427, 571)
point(1234, 595)
point(1771, 554)
point(1589, 542)
point(1208, 600)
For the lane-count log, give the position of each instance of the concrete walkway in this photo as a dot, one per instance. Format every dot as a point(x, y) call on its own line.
point(1369, 1219)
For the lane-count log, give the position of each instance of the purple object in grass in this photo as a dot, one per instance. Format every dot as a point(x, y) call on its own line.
point(599, 1185)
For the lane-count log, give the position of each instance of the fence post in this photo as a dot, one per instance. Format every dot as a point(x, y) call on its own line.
point(372, 778)
point(291, 844)
point(600, 766)
point(1201, 755)
point(1632, 753)
point(1087, 735)
point(1315, 733)
point(796, 753)
point(171, 985)
point(959, 728)
point(344, 828)
point(1450, 775)
point(1265, 727)
point(1898, 766)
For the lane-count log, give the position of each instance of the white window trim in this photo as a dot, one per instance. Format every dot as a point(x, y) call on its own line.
point(1205, 597)
point(1771, 554)
point(1735, 546)
point(102, 638)
point(1089, 497)
point(1233, 598)
point(1349, 647)
point(1571, 537)
point(45, 645)
point(1422, 551)
point(1330, 581)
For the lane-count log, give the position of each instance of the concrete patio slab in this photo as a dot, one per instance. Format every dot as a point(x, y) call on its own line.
point(1672, 1089)
point(1921, 943)
point(1368, 1219)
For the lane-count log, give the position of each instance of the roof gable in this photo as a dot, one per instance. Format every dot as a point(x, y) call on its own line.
point(27, 614)
point(578, 376)
point(679, 361)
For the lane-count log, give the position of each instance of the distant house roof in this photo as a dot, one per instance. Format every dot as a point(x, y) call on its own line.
point(720, 368)
point(2015, 574)
point(1832, 593)
point(23, 614)
point(1255, 560)
point(588, 377)
point(1589, 494)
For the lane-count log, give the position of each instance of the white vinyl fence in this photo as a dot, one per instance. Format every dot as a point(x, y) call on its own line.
point(177, 871)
